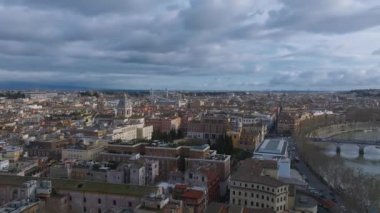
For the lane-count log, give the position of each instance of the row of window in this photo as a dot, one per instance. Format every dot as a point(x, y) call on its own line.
point(257, 186)
point(279, 199)
point(100, 201)
point(257, 204)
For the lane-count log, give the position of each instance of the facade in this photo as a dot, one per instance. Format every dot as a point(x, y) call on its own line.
point(145, 132)
point(127, 133)
point(170, 158)
point(73, 195)
point(47, 148)
point(208, 128)
point(206, 178)
point(193, 200)
point(165, 124)
point(124, 108)
point(137, 174)
point(255, 185)
point(12, 153)
point(82, 152)
point(250, 138)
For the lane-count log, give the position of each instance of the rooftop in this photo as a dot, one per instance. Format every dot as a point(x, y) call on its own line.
point(85, 186)
point(250, 171)
point(273, 146)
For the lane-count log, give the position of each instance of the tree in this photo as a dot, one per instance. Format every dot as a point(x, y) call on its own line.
point(223, 145)
point(229, 146)
point(172, 135)
point(156, 135)
point(182, 164)
point(180, 134)
point(220, 145)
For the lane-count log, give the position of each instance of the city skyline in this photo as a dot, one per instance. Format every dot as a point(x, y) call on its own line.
point(191, 45)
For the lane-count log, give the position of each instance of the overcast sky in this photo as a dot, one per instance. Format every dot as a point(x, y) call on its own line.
point(192, 44)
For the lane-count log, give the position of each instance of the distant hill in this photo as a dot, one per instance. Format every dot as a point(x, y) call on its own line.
point(365, 92)
point(39, 86)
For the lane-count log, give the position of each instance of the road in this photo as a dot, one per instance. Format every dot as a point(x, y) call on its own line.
point(316, 183)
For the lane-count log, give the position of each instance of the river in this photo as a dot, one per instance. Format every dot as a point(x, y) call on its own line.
point(368, 163)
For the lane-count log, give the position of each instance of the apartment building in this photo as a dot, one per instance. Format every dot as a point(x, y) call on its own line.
point(74, 195)
point(255, 185)
point(82, 151)
point(164, 124)
point(208, 128)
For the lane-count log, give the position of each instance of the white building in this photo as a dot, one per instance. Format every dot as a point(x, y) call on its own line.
point(4, 165)
point(137, 174)
point(145, 132)
point(272, 149)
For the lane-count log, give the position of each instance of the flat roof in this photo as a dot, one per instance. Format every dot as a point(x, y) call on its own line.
point(273, 146)
point(84, 186)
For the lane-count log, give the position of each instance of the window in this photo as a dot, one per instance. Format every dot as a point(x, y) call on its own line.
point(233, 192)
point(114, 202)
point(84, 199)
point(99, 210)
point(84, 209)
point(203, 179)
point(99, 200)
point(129, 204)
point(239, 193)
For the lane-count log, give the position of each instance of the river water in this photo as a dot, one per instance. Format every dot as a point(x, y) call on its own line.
point(369, 163)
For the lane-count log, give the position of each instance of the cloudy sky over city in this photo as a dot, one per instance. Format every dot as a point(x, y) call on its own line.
point(192, 44)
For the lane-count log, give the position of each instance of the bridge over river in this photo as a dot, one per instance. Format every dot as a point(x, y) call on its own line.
point(328, 135)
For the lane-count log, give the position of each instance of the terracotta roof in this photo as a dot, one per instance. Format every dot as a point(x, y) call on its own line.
point(193, 194)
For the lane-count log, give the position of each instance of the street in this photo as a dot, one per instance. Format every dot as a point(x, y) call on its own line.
point(316, 186)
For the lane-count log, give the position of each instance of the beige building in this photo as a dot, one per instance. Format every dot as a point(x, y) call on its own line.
point(131, 132)
point(82, 152)
point(255, 185)
point(145, 132)
point(12, 153)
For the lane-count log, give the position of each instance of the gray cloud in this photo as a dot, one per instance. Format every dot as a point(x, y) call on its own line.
point(376, 52)
point(324, 16)
point(250, 44)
